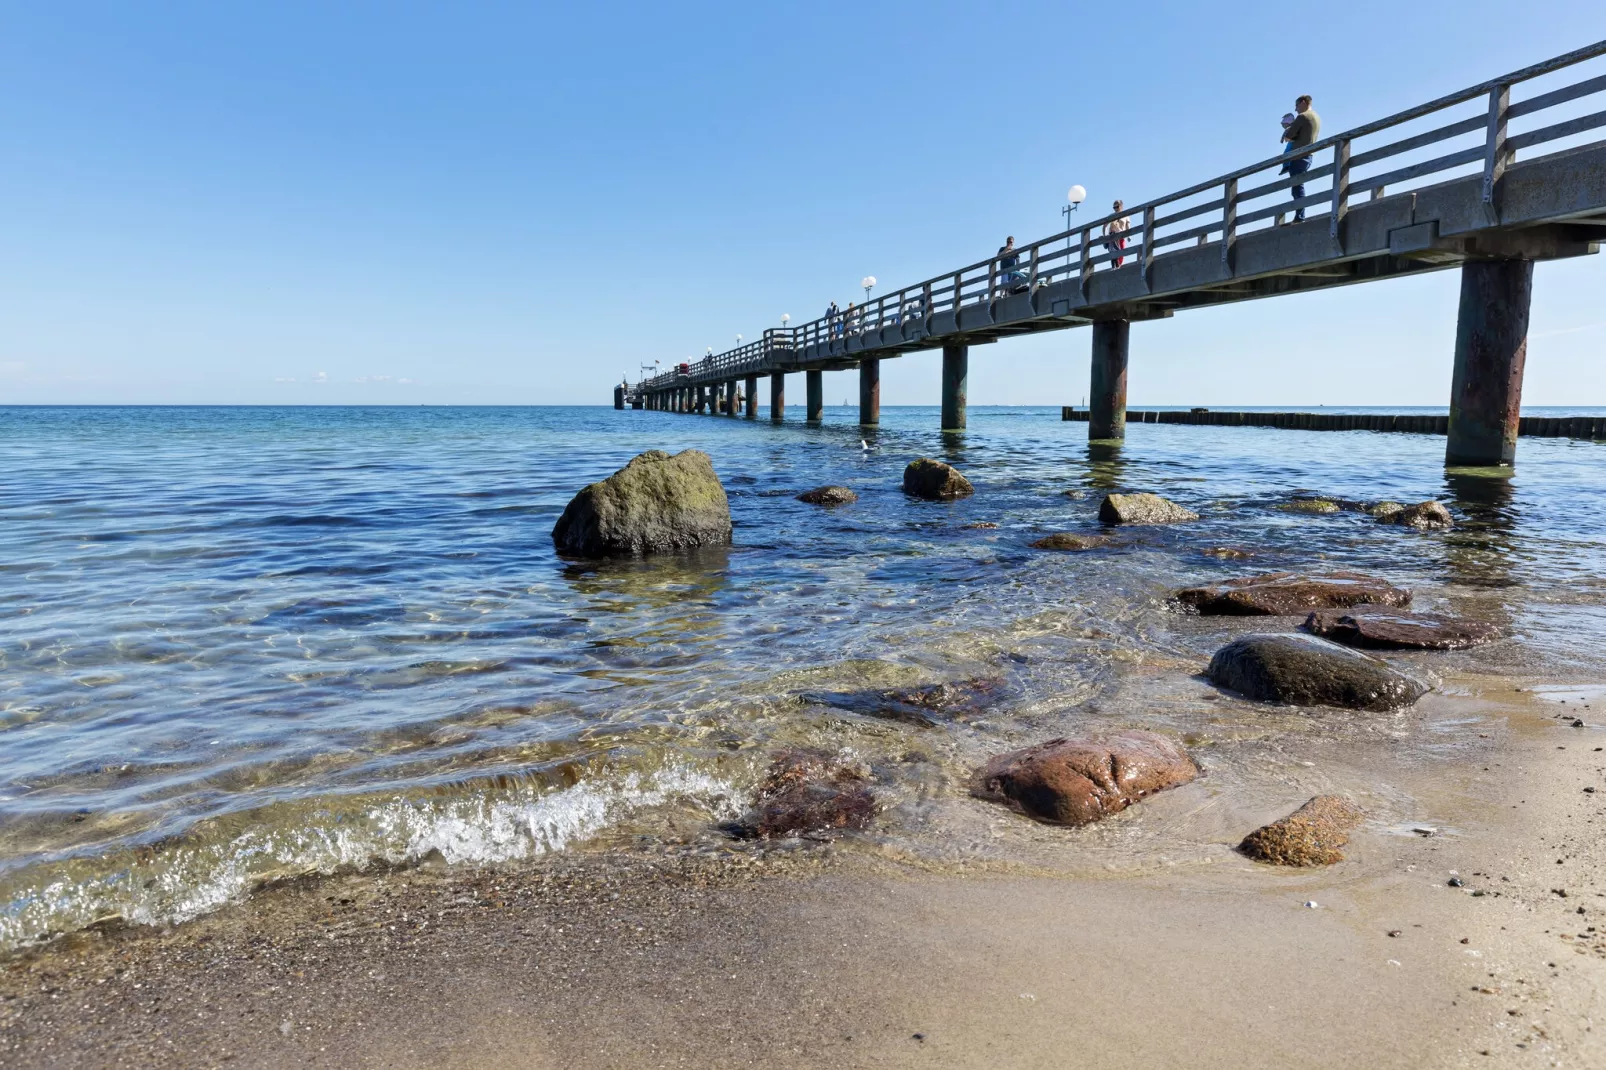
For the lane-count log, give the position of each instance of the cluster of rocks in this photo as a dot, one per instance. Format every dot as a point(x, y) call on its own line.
point(659, 503)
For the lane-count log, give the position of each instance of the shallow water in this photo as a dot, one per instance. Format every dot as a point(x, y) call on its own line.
point(237, 644)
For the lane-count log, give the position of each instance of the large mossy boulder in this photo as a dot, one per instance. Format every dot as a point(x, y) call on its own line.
point(1283, 594)
point(654, 504)
point(1302, 670)
point(1078, 781)
point(1142, 508)
point(935, 481)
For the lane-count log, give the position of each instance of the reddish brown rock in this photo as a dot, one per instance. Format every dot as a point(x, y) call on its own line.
point(1077, 781)
point(1310, 836)
point(1276, 594)
point(1385, 628)
point(809, 790)
point(1065, 540)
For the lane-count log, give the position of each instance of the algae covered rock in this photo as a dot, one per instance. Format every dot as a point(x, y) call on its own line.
point(1065, 540)
point(1310, 836)
point(1315, 506)
point(935, 481)
point(1142, 509)
point(1382, 627)
point(1274, 594)
point(1302, 670)
point(654, 504)
point(828, 496)
point(1423, 516)
point(1078, 781)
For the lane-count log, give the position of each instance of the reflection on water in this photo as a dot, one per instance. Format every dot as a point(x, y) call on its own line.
point(236, 643)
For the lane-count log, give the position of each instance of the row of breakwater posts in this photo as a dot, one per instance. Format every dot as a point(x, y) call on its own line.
point(1591, 427)
point(1491, 180)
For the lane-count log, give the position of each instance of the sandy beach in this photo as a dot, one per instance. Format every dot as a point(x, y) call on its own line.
point(814, 954)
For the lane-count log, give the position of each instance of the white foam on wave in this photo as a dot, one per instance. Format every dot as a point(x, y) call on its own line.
point(184, 882)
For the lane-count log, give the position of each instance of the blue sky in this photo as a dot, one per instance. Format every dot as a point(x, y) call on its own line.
point(404, 203)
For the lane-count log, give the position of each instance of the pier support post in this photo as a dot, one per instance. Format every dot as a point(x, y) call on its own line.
point(618, 397)
point(1491, 347)
point(703, 399)
point(752, 397)
point(955, 371)
point(869, 391)
point(1107, 398)
point(816, 391)
point(777, 396)
point(732, 407)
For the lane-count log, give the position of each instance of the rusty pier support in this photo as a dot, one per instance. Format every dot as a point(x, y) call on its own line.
point(955, 374)
point(1491, 347)
point(1107, 397)
point(752, 397)
point(816, 395)
point(733, 407)
point(777, 396)
point(870, 391)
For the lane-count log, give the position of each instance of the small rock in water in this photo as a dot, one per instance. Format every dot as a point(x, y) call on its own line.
point(808, 790)
point(1275, 594)
point(1382, 509)
point(656, 503)
point(1142, 509)
point(935, 481)
point(1424, 516)
point(979, 525)
point(1301, 670)
point(915, 705)
point(1384, 627)
point(1310, 836)
point(1227, 553)
point(828, 496)
point(1065, 540)
point(1319, 506)
point(1078, 781)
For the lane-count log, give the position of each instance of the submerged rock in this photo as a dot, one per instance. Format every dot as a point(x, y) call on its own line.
point(1078, 781)
point(655, 503)
point(935, 481)
point(808, 790)
point(1307, 505)
point(828, 495)
point(1142, 509)
point(1228, 553)
point(1275, 594)
point(1065, 540)
point(979, 525)
point(1423, 516)
point(916, 705)
point(1302, 670)
point(1381, 627)
point(1382, 509)
point(1310, 836)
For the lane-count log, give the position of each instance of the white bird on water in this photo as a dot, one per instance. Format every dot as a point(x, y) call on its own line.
point(863, 445)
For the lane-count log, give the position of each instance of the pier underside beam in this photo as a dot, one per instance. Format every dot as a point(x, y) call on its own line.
point(1491, 347)
point(777, 396)
point(870, 390)
point(816, 392)
point(1107, 396)
point(955, 373)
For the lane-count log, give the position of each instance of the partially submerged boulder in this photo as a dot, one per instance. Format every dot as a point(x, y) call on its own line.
point(1142, 509)
point(828, 495)
point(1302, 670)
point(808, 790)
point(1078, 781)
point(1318, 506)
point(1275, 594)
point(1310, 836)
point(656, 503)
point(1065, 540)
point(1423, 516)
point(1385, 628)
point(918, 706)
point(935, 481)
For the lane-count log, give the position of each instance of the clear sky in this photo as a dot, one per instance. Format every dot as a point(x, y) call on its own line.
point(405, 202)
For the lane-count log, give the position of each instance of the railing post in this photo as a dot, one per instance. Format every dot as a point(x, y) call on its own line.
point(925, 304)
point(1146, 258)
point(992, 280)
point(958, 275)
point(1229, 222)
point(1494, 151)
point(1340, 189)
point(881, 312)
point(1031, 281)
point(1087, 237)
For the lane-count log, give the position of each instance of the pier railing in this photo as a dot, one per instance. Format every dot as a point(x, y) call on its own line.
point(1479, 129)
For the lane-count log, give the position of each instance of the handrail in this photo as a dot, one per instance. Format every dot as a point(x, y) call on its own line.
point(1073, 253)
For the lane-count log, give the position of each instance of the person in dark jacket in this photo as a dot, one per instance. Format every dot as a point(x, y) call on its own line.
point(1302, 132)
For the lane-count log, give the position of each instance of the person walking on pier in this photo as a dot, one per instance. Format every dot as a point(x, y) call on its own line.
point(1008, 260)
point(833, 319)
point(1115, 235)
point(1301, 133)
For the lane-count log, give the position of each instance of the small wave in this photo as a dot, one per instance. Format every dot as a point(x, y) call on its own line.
point(180, 881)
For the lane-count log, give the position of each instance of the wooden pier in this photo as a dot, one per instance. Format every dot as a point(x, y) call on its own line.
point(1489, 180)
point(1590, 427)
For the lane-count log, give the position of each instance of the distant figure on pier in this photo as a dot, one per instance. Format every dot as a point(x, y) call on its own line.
point(1008, 260)
point(1302, 132)
point(1115, 233)
point(833, 318)
point(852, 317)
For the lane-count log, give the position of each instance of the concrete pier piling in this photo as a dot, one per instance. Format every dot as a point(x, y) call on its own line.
point(752, 397)
point(777, 396)
point(618, 397)
point(955, 373)
point(870, 391)
point(733, 406)
point(816, 395)
point(1491, 347)
point(1107, 396)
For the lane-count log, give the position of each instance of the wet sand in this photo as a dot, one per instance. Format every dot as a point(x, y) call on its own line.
point(804, 955)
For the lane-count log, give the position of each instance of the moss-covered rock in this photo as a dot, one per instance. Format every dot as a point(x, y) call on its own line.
point(935, 481)
point(654, 504)
point(1142, 509)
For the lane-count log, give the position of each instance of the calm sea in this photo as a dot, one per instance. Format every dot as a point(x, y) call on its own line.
point(238, 644)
